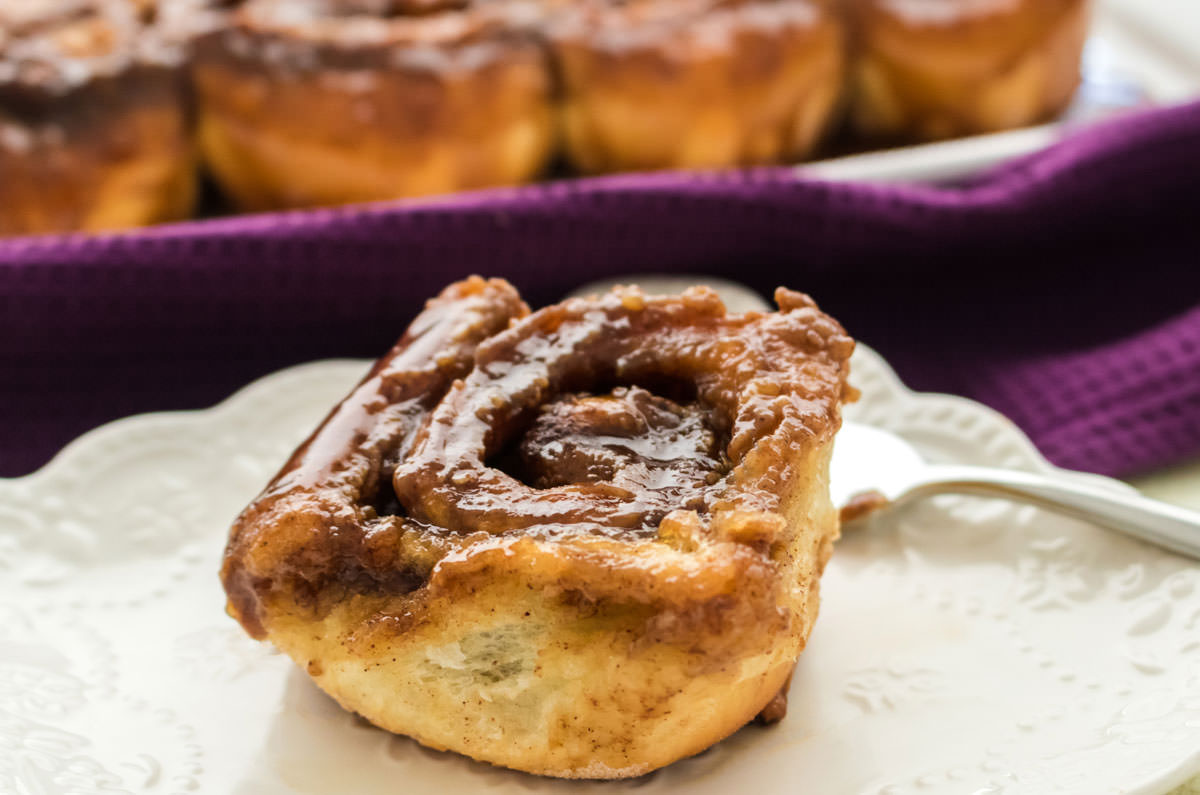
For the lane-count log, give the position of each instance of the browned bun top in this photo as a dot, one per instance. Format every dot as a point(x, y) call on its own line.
point(56, 46)
point(948, 13)
point(612, 429)
point(71, 70)
point(176, 24)
point(968, 24)
point(705, 24)
point(373, 34)
point(966, 35)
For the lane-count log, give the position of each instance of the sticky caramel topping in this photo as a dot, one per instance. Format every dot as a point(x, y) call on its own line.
point(59, 46)
point(1001, 27)
point(617, 421)
point(756, 375)
point(630, 437)
point(55, 46)
point(352, 34)
point(609, 25)
point(307, 34)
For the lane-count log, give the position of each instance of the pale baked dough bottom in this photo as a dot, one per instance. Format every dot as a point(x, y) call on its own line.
point(524, 678)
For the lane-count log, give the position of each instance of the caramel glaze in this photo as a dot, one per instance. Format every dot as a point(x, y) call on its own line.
point(861, 505)
point(776, 708)
point(49, 48)
point(637, 24)
point(979, 36)
point(305, 36)
point(757, 373)
point(318, 523)
point(632, 497)
point(631, 438)
point(56, 46)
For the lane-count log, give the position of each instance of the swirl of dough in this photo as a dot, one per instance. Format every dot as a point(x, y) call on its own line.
point(760, 381)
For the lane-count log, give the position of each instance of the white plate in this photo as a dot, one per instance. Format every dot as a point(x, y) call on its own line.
point(973, 647)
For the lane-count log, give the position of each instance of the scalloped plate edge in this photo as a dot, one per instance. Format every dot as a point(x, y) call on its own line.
point(883, 385)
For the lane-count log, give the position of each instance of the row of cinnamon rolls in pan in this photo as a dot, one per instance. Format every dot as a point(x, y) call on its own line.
point(106, 106)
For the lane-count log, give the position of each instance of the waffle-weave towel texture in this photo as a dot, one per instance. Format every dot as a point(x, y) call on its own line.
point(1062, 289)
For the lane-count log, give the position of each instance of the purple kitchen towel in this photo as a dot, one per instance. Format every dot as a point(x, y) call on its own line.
point(1062, 289)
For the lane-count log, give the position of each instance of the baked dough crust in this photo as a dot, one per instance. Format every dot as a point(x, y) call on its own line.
point(931, 69)
point(307, 103)
point(549, 630)
point(656, 84)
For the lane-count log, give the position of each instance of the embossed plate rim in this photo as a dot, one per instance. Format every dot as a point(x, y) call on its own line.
point(886, 393)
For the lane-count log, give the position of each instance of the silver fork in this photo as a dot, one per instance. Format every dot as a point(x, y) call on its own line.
point(870, 461)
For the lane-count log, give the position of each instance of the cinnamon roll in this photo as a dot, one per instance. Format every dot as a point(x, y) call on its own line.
point(94, 126)
point(929, 69)
point(583, 542)
point(322, 102)
point(655, 84)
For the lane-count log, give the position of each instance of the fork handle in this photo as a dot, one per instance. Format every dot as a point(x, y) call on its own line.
point(1168, 526)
